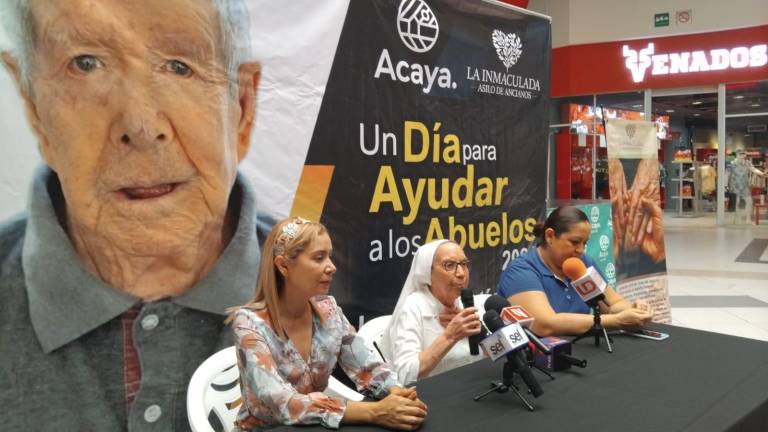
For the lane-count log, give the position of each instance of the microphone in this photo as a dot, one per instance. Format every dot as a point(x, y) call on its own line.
point(509, 340)
point(590, 286)
point(468, 300)
point(511, 314)
point(559, 356)
point(586, 281)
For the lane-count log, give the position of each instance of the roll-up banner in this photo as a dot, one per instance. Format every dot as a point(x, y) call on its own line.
point(633, 173)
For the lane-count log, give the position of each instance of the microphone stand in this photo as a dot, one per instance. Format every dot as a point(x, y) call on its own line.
point(506, 384)
point(597, 329)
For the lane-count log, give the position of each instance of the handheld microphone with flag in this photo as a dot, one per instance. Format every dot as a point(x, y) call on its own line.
point(509, 341)
point(468, 300)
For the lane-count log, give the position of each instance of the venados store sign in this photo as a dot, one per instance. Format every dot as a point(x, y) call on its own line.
point(639, 61)
point(689, 60)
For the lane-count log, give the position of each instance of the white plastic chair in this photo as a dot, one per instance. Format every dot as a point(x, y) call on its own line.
point(372, 331)
point(214, 398)
point(213, 395)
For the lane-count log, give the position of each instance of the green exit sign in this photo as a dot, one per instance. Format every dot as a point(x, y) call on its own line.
point(661, 20)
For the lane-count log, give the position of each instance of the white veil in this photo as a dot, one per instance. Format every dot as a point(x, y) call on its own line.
point(419, 278)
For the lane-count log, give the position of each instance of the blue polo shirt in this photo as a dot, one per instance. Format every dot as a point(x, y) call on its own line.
point(529, 273)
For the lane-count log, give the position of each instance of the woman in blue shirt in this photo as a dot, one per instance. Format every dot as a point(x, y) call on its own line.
point(537, 282)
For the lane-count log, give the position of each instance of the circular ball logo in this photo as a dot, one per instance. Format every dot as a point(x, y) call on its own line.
point(604, 242)
point(610, 271)
point(595, 214)
point(417, 25)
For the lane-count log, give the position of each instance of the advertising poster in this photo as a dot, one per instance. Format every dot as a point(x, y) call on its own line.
point(633, 173)
point(148, 147)
point(393, 123)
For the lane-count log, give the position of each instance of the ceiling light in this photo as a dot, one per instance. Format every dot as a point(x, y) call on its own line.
point(746, 135)
point(637, 106)
point(696, 114)
point(697, 102)
point(670, 111)
point(755, 105)
point(739, 97)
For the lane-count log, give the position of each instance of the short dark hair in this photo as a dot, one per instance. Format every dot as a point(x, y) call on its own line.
point(560, 220)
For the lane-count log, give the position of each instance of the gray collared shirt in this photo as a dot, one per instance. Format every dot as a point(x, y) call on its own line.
point(61, 335)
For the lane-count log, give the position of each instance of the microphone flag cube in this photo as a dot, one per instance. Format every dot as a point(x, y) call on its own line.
point(590, 285)
point(504, 340)
point(518, 314)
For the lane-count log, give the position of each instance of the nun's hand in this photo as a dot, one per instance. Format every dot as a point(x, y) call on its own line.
point(447, 315)
point(465, 323)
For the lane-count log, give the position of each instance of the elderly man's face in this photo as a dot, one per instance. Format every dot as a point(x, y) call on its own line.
point(132, 105)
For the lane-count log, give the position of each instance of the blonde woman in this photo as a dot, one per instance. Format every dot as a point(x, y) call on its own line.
point(290, 336)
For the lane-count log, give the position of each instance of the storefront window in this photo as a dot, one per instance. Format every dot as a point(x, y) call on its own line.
point(581, 153)
point(746, 144)
point(690, 142)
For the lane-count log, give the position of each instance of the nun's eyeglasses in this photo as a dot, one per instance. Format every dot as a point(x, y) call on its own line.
point(451, 266)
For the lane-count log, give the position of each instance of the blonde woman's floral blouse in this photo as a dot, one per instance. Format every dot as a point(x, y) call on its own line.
point(278, 385)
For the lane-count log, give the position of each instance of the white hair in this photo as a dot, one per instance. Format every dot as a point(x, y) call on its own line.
point(17, 22)
point(235, 36)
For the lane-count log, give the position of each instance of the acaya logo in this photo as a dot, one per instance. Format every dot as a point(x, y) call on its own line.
point(696, 61)
point(418, 29)
point(417, 25)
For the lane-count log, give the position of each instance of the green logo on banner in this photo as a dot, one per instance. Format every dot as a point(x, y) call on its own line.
point(661, 20)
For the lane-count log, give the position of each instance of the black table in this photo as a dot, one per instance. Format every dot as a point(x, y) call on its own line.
point(693, 381)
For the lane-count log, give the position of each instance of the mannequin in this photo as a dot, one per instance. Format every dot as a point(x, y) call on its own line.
point(739, 184)
point(708, 179)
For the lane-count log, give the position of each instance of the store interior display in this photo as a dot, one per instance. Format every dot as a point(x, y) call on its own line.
point(687, 178)
point(582, 154)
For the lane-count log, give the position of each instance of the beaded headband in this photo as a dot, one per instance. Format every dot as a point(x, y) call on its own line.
point(288, 233)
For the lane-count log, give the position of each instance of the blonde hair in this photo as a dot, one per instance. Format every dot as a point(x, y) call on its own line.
point(288, 238)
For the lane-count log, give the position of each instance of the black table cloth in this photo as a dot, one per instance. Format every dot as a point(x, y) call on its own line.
point(692, 381)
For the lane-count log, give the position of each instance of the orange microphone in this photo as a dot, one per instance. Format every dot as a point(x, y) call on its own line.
point(574, 268)
point(587, 282)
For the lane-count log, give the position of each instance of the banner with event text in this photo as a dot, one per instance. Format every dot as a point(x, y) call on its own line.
point(432, 125)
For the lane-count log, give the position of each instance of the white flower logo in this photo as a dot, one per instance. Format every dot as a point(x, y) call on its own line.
point(508, 47)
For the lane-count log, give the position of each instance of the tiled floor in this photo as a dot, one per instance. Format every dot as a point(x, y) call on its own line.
point(702, 268)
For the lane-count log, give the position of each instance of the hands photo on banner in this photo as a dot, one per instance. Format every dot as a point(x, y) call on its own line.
point(637, 214)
